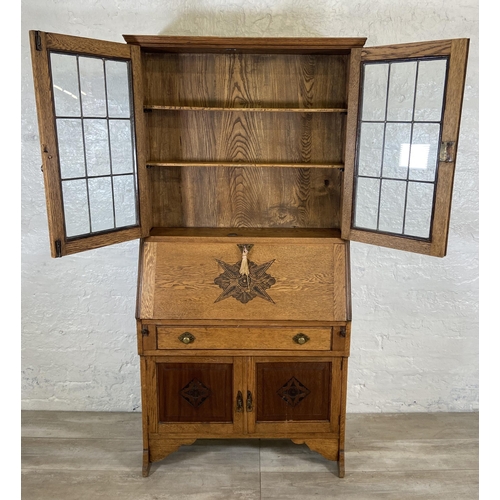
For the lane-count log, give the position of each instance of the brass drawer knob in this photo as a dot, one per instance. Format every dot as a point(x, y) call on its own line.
point(187, 338)
point(301, 338)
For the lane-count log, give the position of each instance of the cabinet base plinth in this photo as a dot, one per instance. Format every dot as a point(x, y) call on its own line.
point(160, 448)
point(328, 448)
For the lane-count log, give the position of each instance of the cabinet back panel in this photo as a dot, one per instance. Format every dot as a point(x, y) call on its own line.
point(245, 197)
point(235, 136)
point(245, 80)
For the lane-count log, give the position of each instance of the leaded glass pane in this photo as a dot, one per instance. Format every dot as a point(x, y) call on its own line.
point(398, 144)
point(95, 135)
point(65, 84)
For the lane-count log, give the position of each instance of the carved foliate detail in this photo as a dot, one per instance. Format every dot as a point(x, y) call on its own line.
point(195, 393)
point(293, 392)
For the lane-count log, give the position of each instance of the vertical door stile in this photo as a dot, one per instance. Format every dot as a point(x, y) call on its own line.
point(141, 142)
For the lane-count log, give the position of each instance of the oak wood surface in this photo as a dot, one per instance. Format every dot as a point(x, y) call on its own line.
point(309, 285)
point(236, 136)
point(240, 164)
point(456, 51)
point(451, 128)
point(407, 50)
point(195, 392)
point(280, 388)
point(234, 141)
point(48, 142)
point(142, 152)
point(200, 235)
point(350, 141)
point(244, 109)
point(48, 134)
point(319, 339)
point(251, 44)
point(244, 81)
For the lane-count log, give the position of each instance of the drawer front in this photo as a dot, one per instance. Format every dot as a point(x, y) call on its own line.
point(288, 282)
point(275, 338)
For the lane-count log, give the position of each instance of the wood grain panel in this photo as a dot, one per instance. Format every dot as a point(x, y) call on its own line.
point(350, 141)
point(199, 235)
point(303, 291)
point(249, 44)
point(245, 197)
point(245, 80)
point(146, 279)
point(451, 128)
point(141, 142)
point(82, 45)
point(407, 50)
point(48, 142)
point(195, 392)
point(236, 136)
point(293, 391)
point(244, 337)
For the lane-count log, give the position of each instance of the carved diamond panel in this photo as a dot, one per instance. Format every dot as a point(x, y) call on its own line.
point(195, 393)
point(293, 392)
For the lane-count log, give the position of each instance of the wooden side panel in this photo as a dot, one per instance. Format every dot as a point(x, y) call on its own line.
point(350, 142)
point(146, 279)
point(296, 282)
point(142, 151)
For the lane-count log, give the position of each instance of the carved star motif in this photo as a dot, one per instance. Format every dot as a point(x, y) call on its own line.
point(245, 288)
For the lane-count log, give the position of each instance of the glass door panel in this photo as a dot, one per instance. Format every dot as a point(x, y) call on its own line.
point(409, 104)
point(88, 130)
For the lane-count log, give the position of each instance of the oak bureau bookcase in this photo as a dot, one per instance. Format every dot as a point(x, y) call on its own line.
point(245, 166)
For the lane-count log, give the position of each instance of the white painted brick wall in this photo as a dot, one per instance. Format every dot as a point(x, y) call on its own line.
point(415, 318)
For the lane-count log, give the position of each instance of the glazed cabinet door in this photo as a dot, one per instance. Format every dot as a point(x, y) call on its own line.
point(89, 102)
point(405, 105)
point(193, 395)
point(288, 396)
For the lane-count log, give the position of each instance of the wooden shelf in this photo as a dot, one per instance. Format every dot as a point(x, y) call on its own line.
point(242, 234)
point(151, 107)
point(241, 164)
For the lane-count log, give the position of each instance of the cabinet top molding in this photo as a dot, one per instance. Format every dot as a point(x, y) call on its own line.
point(244, 44)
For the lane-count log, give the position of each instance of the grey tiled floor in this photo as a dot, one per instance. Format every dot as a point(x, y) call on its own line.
point(77, 455)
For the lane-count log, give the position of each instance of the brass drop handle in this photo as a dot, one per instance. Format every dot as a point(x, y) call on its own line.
point(249, 401)
point(239, 402)
point(187, 338)
point(301, 338)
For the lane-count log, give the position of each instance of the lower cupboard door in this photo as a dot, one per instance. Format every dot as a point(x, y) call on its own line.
point(296, 397)
point(191, 396)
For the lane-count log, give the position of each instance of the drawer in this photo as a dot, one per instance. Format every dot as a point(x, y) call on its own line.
point(257, 338)
point(285, 282)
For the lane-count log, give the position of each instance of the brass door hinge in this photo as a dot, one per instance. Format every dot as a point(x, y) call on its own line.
point(447, 151)
point(38, 41)
point(58, 248)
